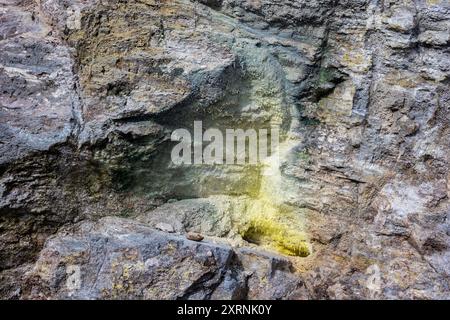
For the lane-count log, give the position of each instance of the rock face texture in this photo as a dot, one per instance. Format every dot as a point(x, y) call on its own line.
point(92, 207)
point(121, 259)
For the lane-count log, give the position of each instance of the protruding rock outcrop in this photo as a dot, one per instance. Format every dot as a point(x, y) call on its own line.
point(122, 259)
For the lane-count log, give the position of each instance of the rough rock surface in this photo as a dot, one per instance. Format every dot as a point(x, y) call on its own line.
point(116, 258)
point(90, 92)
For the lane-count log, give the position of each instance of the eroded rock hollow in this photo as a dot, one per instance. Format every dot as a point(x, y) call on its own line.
point(92, 207)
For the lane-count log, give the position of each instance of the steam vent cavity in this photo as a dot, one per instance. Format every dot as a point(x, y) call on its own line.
point(153, 85)
point(224, 149)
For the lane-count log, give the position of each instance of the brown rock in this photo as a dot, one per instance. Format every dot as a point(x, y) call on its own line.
point(194, 236)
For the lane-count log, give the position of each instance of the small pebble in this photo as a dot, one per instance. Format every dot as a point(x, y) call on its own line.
point(194, 236)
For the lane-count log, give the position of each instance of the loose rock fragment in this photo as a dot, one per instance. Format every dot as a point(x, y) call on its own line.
point(194, 236)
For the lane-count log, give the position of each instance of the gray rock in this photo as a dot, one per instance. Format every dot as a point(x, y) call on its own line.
point(37, 101)
point(89, 98)
point(121, 259)
point(165, 227)
point(211, 216)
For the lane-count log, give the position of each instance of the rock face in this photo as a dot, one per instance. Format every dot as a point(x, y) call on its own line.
point(90, 92)
point(37, 95)
point(121, 259)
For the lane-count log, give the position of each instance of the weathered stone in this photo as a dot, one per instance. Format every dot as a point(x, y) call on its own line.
point(38, 104)
point(121, 259)
point(165, 227)
point(90, 92)
point(194, 236)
